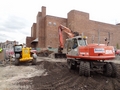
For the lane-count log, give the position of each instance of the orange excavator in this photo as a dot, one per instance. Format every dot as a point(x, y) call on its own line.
point(70, 34)
point(86, 57)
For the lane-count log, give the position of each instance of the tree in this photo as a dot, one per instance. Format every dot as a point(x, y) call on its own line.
point(117, 46)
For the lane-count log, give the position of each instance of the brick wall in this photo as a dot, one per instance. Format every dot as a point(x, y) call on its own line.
point(41, 37)
point(79, 21)
point(40, 27)
point(47, 28)
point(33, 30)
point(51, 30)
point(28, 41)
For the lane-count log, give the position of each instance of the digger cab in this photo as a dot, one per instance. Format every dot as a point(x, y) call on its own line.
point(23, 54)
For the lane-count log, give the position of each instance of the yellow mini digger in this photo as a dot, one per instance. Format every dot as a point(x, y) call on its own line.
point(24, 54)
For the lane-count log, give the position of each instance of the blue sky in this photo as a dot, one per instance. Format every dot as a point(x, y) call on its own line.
point(17, 16)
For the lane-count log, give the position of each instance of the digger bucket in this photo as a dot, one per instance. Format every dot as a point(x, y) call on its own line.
point(60, 55)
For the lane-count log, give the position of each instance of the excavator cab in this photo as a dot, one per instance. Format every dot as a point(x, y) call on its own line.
point(82, 41)
point(23, 54)
point(71, 46)
point(74, 43)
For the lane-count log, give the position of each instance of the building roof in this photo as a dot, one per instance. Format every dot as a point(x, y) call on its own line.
point(35, 40)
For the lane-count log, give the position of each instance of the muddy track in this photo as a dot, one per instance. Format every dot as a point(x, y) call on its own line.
point(60, 78)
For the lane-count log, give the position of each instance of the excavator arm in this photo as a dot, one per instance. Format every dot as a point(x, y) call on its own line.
point(70, 34)
point(61, 29)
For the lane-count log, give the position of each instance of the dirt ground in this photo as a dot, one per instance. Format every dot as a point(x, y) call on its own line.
point(53, 74)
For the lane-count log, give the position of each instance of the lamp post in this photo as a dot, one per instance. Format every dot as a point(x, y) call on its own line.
point(98, 37)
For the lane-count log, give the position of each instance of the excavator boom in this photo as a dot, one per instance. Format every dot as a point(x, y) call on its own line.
point(67, 31)
point(70, 34)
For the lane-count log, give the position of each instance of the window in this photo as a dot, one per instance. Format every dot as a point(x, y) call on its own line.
point(54, 23)
point(82, 42)
point(68, 45)
point(18, 48)
point(75, 44)
point(50, 23)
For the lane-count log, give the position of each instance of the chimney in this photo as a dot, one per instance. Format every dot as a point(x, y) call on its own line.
point(43, 11)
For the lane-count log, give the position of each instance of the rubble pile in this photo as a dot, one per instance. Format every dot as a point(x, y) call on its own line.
point(44, 53)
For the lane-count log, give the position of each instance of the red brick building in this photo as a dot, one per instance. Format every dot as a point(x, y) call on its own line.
point(44, 33)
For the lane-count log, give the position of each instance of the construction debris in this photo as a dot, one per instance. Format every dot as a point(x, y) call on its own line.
point(44, 53)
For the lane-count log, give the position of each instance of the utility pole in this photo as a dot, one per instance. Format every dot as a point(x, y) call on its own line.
point(98, 37)
point(109, 37)
point(92, 38)
point(82, 35)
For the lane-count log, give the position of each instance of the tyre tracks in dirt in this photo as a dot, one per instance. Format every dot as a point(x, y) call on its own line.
point(66, 83)
point(60, 78)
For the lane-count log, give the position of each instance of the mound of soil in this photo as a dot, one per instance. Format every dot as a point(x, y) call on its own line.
point(58, 77)
point(44, 53)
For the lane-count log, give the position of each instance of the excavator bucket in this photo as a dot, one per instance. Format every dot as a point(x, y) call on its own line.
point(60, 55)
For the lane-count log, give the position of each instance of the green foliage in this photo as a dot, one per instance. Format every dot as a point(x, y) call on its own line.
point(117, 46)
point(0, 49)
